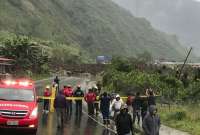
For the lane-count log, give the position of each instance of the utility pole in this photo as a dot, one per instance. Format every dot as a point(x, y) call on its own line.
point(184, 63)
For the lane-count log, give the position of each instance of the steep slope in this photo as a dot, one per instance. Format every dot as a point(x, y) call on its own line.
point(98, 26)
point(182, 19)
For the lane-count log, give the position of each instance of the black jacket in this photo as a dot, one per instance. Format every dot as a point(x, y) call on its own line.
point(137, 103)
point(151, 100)
point(105, 102)
point(60, 101)
point(151, 123)
point(56, 80)
point(124, 124)
point(78, 93)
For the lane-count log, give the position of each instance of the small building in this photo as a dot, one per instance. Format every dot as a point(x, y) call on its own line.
point(103, 59)
point(5, 66)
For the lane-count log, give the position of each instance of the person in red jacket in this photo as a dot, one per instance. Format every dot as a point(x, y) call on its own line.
point(47, 93)
point(90, 99)
point(68, 92)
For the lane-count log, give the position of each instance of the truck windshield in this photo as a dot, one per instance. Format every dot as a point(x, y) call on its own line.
point(10, 94)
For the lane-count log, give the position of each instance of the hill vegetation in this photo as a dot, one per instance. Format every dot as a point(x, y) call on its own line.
point(99, 27)
point(32, 55)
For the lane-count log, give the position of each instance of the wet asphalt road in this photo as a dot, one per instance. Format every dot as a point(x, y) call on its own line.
point(73, 125)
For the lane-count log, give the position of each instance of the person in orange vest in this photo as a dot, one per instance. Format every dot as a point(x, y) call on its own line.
point(90, 98)
point(68, 92)
point(47, 93)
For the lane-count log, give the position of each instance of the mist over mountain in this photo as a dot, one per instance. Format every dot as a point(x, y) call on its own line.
point(99, 27)
point(180, 17)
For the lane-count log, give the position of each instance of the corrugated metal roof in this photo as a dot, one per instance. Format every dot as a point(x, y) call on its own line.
point(5, 59)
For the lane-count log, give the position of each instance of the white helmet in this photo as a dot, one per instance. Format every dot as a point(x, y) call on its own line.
point(47, 87)
point(117, 96)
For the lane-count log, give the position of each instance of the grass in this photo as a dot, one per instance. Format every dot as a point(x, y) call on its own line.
point(185, 118)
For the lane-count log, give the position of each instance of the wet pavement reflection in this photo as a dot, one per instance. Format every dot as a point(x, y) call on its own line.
point(73, 125)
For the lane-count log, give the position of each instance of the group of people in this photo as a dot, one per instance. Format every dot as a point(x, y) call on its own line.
point(63, 103)
point(123, 113)
point(142, 107)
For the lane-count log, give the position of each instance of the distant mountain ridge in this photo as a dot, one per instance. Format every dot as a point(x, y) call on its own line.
point(100, 27)
point(180, 17)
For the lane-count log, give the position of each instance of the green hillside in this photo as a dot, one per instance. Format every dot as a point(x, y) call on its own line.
point(97, 26)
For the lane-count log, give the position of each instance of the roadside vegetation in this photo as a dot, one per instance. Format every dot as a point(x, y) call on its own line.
point(38, 58)
point(127, 75)
point(183, 117)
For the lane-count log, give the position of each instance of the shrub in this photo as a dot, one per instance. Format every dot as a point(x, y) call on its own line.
point(178, 115)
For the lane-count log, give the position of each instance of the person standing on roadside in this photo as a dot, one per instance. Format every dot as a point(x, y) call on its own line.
point(46, 94)
point(90, 98)
point(144, 108)
point(105, 100)
point(151, 123)
point(96, 103)
point(137, 108)
point(56, 81)
point(116, 105)
point(60, 107)
point(151, 98)
point(79, 94)
point(124, 122)
point(129, 101)
point(68, 92)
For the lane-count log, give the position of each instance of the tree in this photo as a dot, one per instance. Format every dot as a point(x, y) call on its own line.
point(27, 55)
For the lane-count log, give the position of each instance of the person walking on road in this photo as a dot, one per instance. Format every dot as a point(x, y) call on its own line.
point(151, 98)
point(144, 108)
point(137, 108)
point(96, 103)
point(78, 93)
point(60, 107)
point(56, 81)
point(68, 92)
point(116, 105)
point(151, 123)
point(124, 123)
point(129, 101)
point(46, 94)
point(105, 100)
point(90, 99)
